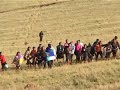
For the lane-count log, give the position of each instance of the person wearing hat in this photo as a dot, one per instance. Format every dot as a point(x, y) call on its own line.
point(3, 61)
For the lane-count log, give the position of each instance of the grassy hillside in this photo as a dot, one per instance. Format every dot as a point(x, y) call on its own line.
point(74, 19)
point(103, 75)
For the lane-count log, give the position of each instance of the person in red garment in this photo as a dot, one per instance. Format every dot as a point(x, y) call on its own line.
point(3, 61)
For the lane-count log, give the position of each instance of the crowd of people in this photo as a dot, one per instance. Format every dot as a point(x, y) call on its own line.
point(44, 57)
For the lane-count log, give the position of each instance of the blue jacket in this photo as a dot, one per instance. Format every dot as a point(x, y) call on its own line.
point(50, 51)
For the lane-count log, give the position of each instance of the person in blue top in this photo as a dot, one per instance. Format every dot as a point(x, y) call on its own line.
point(50, 55)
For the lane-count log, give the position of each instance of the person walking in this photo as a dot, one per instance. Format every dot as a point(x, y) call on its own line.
point(99, 50)
point(78, 49)
point(51, 55)
point(60, 51)
point(3, 62)
point(115, 46)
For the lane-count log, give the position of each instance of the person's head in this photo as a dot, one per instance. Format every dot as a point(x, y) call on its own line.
point(78, 41)
point(115, 37)
point(42, 48)
point(0, 53)
point(89, 45)
point(66, 40)
point(60, 43)
point(34, 48)
point(97, 40)
point(49, 45)
point(109, 43)
point(28, 48)
point(40, 45)
point(18, 53)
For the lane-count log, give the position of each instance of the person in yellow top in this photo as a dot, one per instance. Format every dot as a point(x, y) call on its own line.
point(18, 60)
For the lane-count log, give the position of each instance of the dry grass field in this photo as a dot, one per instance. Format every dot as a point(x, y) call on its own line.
point(22, 20)
point(103, 75)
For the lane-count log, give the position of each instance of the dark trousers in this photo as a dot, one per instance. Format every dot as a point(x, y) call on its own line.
point(77, 57)
point(68, 58)
point(3, 66)
point(41, 38)
point(50, 63)
point(99, 53)
point(108, 54)
point(114, 52)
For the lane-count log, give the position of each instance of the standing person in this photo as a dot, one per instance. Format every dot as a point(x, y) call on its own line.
point(43, 56)
point(33, 53)
point(115, 46)
point(27, 56)
point(72, 50)
point(65, 48)
point(89, 53)
point(51, 55)
point(39, 48)
point(38, 59)
point(69, 53)
point(99, 50)
point(84, 53)
point(41, 34)
point(93, 48)
point(78, 49)
point(60, 51)
point(3, 61)
point(108, 50)
point(18, 60)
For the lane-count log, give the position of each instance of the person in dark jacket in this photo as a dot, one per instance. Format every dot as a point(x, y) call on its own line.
point(93, 47)
point(115, 46)
point(43, 56)
point(60, 51)
point(39, 48)
point(65, 48)
point(84, 53)
point(108, 50)
point(89, 53)
point(41, 34)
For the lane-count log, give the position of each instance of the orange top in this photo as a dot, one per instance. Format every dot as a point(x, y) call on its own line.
point(98, 48)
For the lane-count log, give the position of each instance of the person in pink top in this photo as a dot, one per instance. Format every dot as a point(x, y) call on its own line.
point(3, 61)
point(78, 49)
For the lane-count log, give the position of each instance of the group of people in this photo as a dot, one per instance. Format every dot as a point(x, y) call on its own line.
point(42, 56)
point(86, 53)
